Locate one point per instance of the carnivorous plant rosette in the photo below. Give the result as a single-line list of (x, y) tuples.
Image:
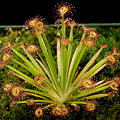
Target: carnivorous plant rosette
[(59, 89)]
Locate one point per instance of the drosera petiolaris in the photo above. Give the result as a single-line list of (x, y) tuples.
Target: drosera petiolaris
[(59, 88)]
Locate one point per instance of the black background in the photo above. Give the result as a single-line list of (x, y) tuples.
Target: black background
[(17, 12)]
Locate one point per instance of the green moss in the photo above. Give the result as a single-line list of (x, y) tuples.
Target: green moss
[(107, 108)]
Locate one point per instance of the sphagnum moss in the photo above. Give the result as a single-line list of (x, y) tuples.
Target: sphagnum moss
[(63, 87)]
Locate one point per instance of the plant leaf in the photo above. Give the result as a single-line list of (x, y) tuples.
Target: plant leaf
[(63, 28), (77, 59), (26, 61), (35, 95), (91, 91), (94, 68), (33, 61), (64, 68), (46, 71), (24, 66), (48, 106), (77, 102), (48, 47), (38, 92), (24, 77), (59, 62), (50, 65), (20, 73), (88, 64), (96, 71), (36, 101), (96, 96)]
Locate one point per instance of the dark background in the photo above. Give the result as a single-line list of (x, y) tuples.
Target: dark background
[(17, 12)]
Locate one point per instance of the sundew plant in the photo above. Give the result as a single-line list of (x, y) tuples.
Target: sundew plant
[(65, 86)]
